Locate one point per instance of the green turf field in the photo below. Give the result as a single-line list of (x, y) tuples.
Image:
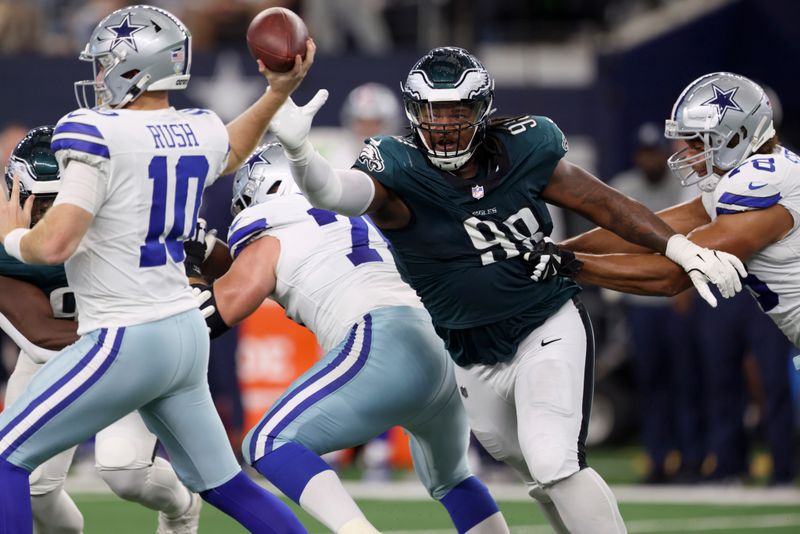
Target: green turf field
[(108, 515)]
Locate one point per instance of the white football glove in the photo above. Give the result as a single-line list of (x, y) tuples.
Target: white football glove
[(202, 297), (705, 265), (292, 123)]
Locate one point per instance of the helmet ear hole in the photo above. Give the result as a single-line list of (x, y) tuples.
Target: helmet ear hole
[(130, 74)]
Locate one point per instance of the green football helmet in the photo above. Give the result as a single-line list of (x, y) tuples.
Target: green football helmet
[(448, 99), (34, 163)]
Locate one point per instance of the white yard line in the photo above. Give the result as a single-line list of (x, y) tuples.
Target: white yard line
[(699, 524)]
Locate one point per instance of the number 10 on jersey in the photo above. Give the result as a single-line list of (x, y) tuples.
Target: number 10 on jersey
[(161, 241)]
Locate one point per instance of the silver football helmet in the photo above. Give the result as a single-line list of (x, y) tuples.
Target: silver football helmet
[(372, 101), (730, 114), (132, 50), (264, 175)]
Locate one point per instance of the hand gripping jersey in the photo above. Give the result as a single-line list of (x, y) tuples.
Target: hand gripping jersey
[(462, 249), (154, 166), (764, 180), (332, 269), (52, 280)]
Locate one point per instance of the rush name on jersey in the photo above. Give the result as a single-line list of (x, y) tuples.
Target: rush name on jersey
[(462, 249), (332, 269), (764, 180), (153, 166)]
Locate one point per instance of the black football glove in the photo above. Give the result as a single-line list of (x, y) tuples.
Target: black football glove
[(207, 302), (196, 248), (547, 260)]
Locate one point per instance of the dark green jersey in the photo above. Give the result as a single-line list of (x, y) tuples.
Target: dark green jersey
[(51, 279), (462, 250), (46, 277)]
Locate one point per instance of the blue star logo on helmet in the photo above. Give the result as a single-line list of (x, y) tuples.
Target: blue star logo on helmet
[(254, 160), (723, 101), (123, 32)]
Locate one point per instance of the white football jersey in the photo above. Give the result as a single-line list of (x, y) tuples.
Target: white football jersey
[(128, 268), (764, 180), (332, 269)]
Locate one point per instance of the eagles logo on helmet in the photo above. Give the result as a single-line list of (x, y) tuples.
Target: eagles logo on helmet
[(33, 162)]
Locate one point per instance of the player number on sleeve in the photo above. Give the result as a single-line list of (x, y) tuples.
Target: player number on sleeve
[(161, 241), (360, 252)]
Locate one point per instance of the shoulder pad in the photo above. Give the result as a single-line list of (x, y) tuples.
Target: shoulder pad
[(248, 226), (266, 218), (753, 185), (78, 135)]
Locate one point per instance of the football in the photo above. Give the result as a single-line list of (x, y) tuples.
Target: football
[(276, 36)]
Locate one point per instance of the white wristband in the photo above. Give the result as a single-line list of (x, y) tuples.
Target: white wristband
[(12, 242)]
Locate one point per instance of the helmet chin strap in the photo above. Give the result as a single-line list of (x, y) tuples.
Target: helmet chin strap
[(134, 92)]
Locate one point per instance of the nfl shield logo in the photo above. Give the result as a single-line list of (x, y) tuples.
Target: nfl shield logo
[(477, 191)]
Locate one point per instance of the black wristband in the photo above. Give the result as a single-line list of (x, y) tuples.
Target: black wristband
[(216, 325)]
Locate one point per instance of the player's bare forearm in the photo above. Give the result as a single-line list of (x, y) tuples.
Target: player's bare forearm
[(249, 281), (56, 237), (641, 274), (29, 311), (246, 130), (577, 190), (683, 218)]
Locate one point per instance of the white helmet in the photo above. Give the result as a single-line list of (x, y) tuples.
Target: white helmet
[(716, 108), (267, 167), (372, 101), (132, 50)]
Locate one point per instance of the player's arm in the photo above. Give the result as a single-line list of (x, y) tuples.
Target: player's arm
[(574, 188), (29, 311), (240, 291), (57, 235), (246, 130), (683, 218), (740, 234), (350, 192)]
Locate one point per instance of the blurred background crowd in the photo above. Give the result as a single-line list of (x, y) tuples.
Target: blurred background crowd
[(690, 394)]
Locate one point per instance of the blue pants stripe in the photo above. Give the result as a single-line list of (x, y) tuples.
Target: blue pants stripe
[(66, 381), (255, 450)]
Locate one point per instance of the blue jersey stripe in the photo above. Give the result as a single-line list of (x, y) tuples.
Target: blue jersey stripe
[(725, 211), (78, 127), (748, 201), (81, 146), (243, 233), (91, 380)]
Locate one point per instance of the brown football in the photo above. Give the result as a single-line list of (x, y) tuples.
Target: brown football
[(276, 36), (218, 261)]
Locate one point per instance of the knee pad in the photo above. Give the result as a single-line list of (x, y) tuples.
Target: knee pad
[(549, 461), (118, 453), (127, 484), (44, 481)]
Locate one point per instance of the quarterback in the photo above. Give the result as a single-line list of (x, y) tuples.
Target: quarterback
[(749, 204), (462, 201), (133, 172)]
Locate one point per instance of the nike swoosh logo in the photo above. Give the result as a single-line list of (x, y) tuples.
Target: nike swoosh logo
[(545, 343), (753, 187)]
